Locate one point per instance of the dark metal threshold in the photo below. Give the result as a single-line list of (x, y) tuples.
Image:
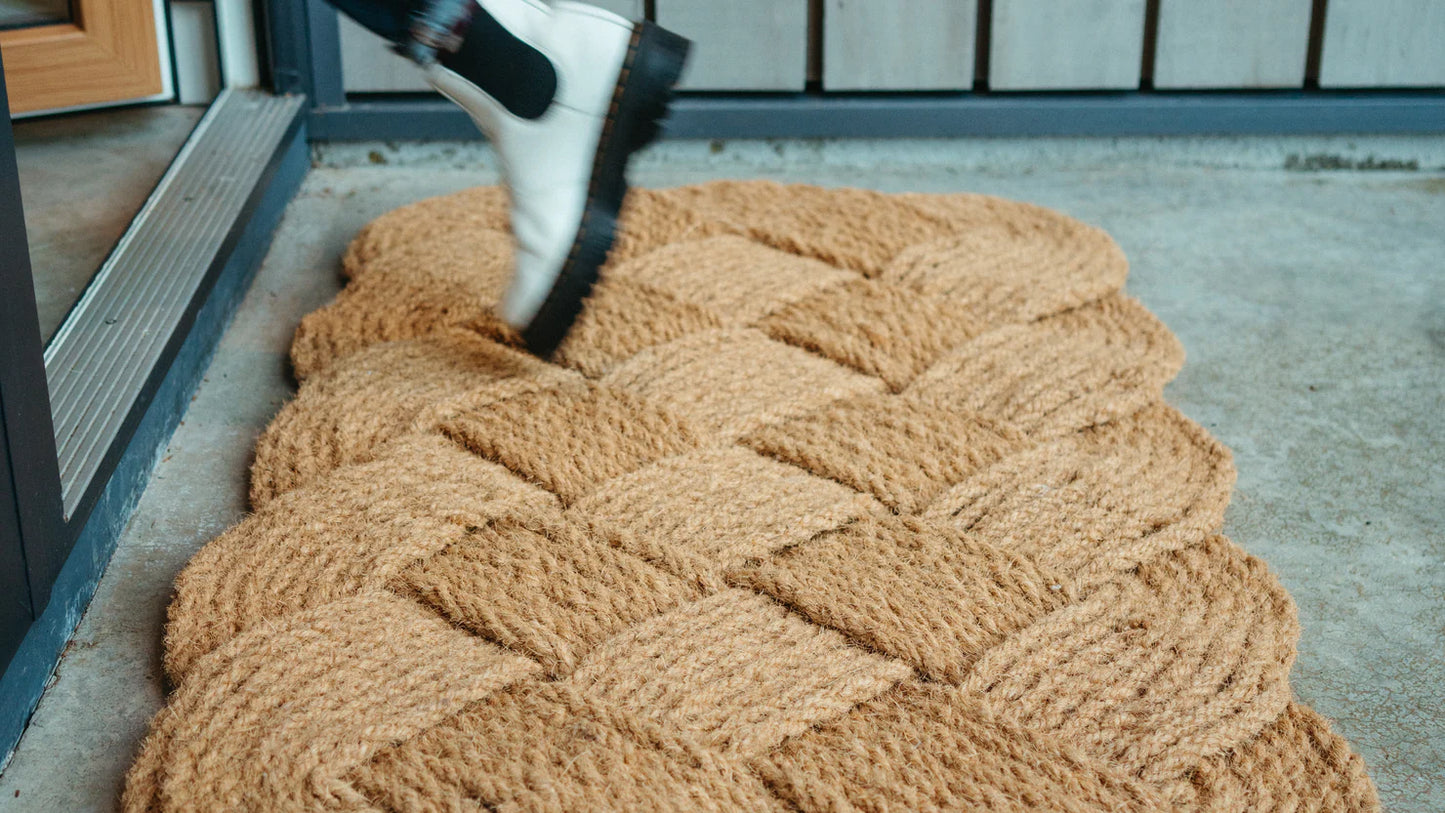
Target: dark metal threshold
[(949, 115), (144, 297), (122, 368)]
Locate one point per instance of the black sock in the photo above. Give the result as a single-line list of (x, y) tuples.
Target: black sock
[(508, 69)]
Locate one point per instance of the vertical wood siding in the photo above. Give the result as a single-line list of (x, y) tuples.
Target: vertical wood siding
[(931, 45), (1232, 43), (369, 65), (889, 45), (1066, 44), (1384, 43), (741, 44), (631, 9)]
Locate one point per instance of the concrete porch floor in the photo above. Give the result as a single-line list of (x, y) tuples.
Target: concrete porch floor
[(83, 177), (1312, 305)]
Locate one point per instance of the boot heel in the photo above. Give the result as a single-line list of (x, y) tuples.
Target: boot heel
[(661, 57)]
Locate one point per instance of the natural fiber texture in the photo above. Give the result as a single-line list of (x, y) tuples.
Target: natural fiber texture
[(833, 501)]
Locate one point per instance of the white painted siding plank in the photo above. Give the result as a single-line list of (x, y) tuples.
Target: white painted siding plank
[(198, 62), (236, 27), (885, 45), (368, 65), (741, 44), (631, 9), (1066, 44), (1232, 43), (1383, 43)]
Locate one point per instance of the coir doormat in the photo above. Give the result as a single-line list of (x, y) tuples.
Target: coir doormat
[(834, 500)]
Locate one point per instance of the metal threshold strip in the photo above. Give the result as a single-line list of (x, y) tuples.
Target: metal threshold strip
[(108, 350)]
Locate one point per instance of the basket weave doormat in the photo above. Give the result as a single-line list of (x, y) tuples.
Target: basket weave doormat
[(834, 500)]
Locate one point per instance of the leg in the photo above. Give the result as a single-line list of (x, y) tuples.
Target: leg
[(565, 92)]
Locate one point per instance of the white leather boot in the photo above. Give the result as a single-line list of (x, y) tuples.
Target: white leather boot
[(566, 92)]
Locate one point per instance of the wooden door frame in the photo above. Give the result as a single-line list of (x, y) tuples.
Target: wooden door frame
[(108, 53)]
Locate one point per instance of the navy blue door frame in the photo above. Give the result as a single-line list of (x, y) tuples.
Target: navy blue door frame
[(31, 521), (57, 538)]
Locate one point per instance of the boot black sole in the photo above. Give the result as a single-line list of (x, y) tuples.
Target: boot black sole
[(654, 62)]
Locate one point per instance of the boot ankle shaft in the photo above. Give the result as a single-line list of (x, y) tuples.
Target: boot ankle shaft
[(519, 76)]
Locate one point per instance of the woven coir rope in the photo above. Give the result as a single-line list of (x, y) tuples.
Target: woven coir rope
[(833, 500)]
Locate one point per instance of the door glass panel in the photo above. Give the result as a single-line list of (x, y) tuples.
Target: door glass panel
[(24, 13), (83, 177)]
